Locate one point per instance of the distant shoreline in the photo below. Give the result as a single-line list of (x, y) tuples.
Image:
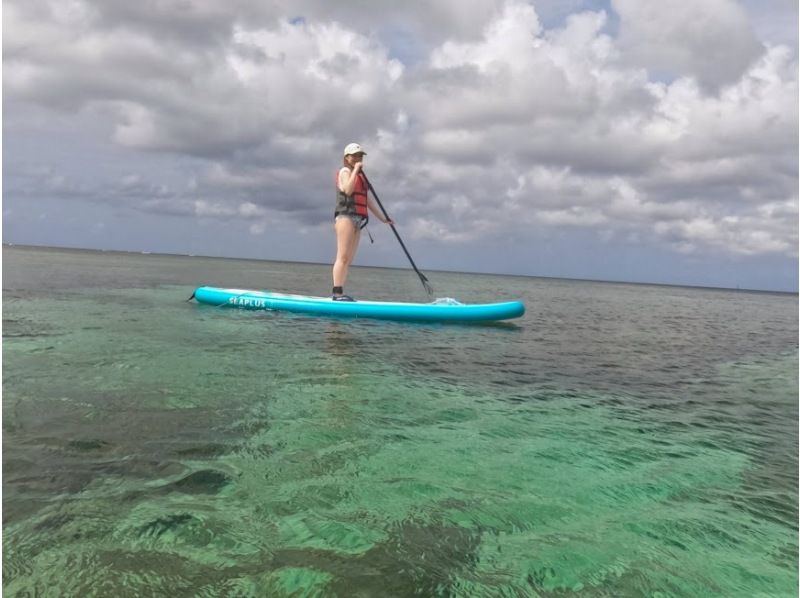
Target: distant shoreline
[(251, 259)]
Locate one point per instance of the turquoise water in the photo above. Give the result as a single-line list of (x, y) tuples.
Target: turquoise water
[(619, 440)]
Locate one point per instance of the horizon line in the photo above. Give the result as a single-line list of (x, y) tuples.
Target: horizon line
[(254, 259)]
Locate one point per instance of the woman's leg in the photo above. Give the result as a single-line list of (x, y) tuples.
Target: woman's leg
[(347, 236)]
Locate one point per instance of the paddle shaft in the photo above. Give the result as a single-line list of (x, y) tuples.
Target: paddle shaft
[(422, 277)]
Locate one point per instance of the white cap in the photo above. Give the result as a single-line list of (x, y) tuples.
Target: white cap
[(353, 148)]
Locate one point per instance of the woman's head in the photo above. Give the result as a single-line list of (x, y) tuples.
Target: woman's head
[(353, 153)]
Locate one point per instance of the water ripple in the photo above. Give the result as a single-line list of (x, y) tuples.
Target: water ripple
[(597, 447)]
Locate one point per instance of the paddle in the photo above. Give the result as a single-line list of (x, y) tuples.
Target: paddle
[(425, 283)]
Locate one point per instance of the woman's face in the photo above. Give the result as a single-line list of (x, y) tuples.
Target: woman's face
[(355, 158)]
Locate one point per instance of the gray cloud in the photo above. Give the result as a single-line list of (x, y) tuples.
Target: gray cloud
[(713, 40), (501, 123)]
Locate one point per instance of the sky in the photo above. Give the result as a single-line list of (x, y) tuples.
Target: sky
[(632, 140)]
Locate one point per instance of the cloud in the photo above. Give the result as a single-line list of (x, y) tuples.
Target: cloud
[(648, 121), (712, 41), (611, 149)]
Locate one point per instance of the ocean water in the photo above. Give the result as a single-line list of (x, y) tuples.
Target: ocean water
[(619, 440)]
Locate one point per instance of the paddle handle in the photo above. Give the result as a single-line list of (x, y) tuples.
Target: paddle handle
[(426, 285)]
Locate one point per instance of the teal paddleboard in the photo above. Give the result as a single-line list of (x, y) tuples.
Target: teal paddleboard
[(441, 310)]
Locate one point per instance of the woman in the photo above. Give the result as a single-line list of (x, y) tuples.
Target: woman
[(353, 205)]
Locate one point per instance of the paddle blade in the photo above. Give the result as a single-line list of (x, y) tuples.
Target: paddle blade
[(426, 285)]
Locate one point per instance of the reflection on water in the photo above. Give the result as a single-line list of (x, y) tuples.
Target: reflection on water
[(340, 341)]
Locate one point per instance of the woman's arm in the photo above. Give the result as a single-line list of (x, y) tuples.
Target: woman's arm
[(375, 209), (347, 179)]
